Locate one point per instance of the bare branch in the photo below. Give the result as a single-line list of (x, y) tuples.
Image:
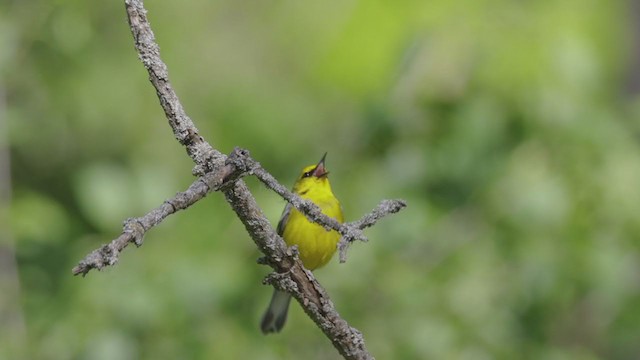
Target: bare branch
[(307, 207), (291, 276), (385, 207), (135, 228), (183, 128), (219, 172), (238, 163), (350, 231)]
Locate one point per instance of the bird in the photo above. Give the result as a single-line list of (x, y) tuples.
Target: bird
[(316, 245)]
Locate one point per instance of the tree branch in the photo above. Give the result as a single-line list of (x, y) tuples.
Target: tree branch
[(291, 276), (219, 172), (134, 228), (350, 231), (183, 128), (385, 207)]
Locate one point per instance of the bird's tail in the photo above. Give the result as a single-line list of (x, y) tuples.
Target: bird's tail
[(276, 315)]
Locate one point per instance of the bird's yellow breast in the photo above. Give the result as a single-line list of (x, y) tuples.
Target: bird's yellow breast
[(315, 244)]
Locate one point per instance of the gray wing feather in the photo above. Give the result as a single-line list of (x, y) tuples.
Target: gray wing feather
[(283, 219)]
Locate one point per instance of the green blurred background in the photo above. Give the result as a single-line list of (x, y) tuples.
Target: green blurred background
[(510, 127)]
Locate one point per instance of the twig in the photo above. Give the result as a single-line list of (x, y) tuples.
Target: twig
[(134, 228), (350, 231), (385, 207), (311, 210)]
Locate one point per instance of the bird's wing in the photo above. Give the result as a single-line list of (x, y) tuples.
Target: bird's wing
[(283, 219)]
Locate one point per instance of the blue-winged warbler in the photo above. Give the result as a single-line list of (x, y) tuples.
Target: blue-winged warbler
[(315, 244)]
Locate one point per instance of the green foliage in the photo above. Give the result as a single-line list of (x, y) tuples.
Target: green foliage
[(503, 124)]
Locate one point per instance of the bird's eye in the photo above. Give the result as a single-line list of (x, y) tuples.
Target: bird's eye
[(307, 174)]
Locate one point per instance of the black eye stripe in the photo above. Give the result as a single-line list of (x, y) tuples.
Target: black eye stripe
[(307, 174)]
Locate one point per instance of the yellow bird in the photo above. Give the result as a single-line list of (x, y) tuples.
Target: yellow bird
[(315, 244)]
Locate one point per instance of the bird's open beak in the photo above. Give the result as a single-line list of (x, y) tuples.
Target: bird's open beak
[(320, 170)]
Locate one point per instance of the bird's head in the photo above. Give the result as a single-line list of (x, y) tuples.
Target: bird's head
[(312, 177)]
